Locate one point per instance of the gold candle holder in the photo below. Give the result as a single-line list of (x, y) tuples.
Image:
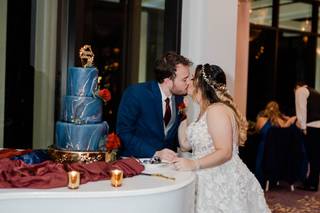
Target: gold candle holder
[(116, 177), (74, 179), (108, 157)]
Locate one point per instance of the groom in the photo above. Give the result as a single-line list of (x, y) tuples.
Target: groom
[(148, 116)]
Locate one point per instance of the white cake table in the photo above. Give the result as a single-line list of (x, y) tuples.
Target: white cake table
[(143, 194)]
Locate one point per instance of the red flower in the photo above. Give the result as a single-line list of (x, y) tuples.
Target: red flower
[(112, 142), (181, 108), (104, 94)]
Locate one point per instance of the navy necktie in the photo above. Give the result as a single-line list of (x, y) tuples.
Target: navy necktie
[(167, 114)]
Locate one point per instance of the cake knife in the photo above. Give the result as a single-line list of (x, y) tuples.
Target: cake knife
[(158, 175)]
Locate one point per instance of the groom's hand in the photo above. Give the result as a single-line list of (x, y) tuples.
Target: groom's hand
[(166, 154)]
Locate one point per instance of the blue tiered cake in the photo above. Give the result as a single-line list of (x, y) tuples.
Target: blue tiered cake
[(81, 134), (82, 128)]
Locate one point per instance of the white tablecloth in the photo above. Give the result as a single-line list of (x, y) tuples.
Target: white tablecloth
[(143, 194)]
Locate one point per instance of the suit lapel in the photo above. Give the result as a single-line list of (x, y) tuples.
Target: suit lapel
[(173, 113), (178, 100), (158, 104)]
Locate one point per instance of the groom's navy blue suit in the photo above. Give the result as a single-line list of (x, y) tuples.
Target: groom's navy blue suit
[(140, 121)]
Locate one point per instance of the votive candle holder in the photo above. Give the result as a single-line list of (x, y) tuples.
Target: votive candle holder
[(73, 179), (116, 177)]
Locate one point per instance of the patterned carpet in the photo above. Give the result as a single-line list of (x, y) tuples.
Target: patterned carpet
[(281, 199)]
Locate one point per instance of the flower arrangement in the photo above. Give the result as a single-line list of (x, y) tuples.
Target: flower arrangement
[(112, 144), (104, 94)]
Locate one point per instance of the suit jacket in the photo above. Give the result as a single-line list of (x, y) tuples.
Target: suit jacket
[(140, 121)]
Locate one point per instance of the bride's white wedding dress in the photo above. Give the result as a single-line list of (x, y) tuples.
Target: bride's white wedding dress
[(227, 188)]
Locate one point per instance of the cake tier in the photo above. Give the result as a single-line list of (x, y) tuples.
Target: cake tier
[(82, 110), (82, 81), (86, 137)]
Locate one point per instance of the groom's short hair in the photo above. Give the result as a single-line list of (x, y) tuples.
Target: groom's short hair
[(165, 66)]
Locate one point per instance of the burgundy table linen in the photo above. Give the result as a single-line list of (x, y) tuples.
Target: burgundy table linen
[(101, 170), (49, 174), (18, 174)]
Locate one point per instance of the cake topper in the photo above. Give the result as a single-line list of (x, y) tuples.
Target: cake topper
[(86, 56)]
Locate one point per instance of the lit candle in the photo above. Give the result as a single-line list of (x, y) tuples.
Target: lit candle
[(116, 177), (74, 179)]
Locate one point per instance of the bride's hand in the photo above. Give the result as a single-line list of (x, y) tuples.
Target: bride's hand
[(183, 164), (166, 154)]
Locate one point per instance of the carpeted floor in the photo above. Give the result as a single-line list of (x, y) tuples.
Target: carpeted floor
[(281, 199)]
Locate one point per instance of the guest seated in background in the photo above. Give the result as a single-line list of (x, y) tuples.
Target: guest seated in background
[(273, 115)]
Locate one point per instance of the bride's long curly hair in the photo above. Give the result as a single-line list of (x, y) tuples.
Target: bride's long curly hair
[(211, 81)]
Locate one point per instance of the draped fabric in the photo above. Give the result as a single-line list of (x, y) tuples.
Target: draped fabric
[(49, 174), (16, 173)]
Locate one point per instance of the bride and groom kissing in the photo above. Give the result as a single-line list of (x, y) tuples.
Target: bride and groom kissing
[(149, 123)]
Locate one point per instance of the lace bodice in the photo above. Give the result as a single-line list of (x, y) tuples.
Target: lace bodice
[(201, 141)]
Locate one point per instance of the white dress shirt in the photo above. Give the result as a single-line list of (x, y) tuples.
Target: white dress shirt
[(173, 112), (301, 100)]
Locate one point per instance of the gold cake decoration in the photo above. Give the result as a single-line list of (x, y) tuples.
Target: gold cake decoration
[(68, 156), (86, 56)]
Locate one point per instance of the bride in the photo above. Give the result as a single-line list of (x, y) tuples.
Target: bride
[(224, 183)]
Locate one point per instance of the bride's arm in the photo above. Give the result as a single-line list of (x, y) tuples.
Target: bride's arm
[(182, 136), (220, 130)]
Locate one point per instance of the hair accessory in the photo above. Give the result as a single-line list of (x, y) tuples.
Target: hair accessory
[(216, 86), (224, 96)]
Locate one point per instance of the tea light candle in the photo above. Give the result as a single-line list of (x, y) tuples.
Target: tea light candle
[(116, 177), (74, 179)]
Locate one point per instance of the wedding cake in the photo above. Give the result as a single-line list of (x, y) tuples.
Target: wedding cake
[(81, 127)]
